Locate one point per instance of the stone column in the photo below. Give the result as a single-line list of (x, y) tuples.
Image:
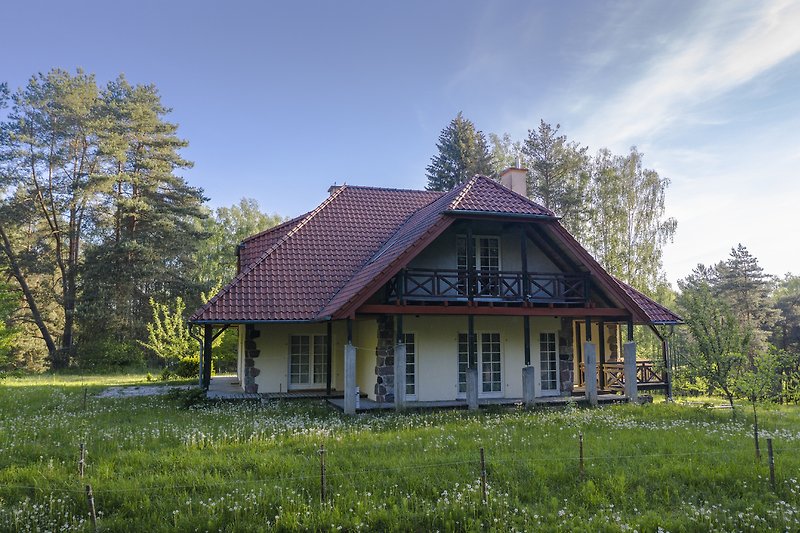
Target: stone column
[(472, 388), (590, 372), (349, 379), (631, 384), (528, 385), (400, 377)]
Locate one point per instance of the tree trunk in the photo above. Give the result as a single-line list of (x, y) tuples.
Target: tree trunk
[(31, 301)]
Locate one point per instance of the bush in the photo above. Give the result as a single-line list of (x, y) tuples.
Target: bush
[(185, 367), (105, 353)]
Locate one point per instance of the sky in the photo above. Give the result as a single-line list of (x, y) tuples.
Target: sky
[(279, 100)]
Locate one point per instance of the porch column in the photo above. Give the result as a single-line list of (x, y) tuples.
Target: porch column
[(208, 338), (528, 385), (526, 329), (472, 388), (329, 358), (631, 385), (601, 343), (667, 369), (349, 372), (590, 365), (399, 367)]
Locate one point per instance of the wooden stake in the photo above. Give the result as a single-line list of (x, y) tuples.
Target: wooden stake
[(755, 436), (483, 476), (580, 441), (771, 463), (322, 490), (92, 511), (82, 460), (85, 393)]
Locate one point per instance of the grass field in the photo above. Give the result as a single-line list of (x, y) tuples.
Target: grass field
[(156, 465)]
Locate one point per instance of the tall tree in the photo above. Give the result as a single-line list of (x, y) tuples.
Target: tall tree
[(747, 289), (505, 152), (462, 153), (50, 158), (225, 229), (558, 175), (628, 225), (146, 232)]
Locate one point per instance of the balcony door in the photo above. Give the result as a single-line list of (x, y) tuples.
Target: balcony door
[(486, 258)]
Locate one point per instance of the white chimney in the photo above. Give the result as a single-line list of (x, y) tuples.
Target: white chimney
[(516, 179)]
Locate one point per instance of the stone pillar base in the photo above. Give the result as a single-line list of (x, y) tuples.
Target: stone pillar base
[(528, 385)]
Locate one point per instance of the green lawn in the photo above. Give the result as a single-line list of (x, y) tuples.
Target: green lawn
[(156, 465)]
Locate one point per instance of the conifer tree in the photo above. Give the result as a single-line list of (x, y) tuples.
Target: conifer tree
[(462, 153)]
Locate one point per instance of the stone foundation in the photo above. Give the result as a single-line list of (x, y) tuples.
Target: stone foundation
[(250, 354), (384, 360)]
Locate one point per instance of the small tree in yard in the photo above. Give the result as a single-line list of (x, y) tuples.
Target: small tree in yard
[(167, 335), (760, 381), (718, 344)]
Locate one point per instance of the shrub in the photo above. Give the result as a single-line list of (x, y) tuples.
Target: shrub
[(106, 353)]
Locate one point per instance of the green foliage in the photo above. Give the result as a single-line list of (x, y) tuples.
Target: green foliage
[(786, 299), (106, 353), (462, 153), (9, 304), (167, 333), (718, 343)]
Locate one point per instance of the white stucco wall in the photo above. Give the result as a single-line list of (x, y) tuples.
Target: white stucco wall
[(437, 351)]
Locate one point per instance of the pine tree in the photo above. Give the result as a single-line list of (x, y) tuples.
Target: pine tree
[(558, 175), (147, 231), (462, 153), (746, 288)]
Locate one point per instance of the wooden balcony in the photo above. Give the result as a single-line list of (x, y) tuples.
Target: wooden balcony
[(647, 376), (452, 285)]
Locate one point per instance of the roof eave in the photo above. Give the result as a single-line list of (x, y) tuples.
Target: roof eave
[(498, 214)]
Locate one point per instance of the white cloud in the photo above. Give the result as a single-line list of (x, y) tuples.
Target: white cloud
[(730, 44)]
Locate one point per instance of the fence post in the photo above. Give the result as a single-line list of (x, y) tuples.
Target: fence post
[(322, 483), (82, 460), (580, 452), (483, 476), (771, 463), (92, 511), (85, 393)]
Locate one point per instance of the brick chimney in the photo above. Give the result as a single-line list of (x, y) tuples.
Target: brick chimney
[(516, 179)]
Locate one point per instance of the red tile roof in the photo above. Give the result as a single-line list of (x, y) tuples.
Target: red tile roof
[(327, 262), (657, 313)]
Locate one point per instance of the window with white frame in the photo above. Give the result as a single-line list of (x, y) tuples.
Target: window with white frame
[(308, 360)]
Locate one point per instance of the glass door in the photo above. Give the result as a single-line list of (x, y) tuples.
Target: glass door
[(487, 358), (548, 364)]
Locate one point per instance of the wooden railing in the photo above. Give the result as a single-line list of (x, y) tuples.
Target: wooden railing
[(488, 285), (647, 375)]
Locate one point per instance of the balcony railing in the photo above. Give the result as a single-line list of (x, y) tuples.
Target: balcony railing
[(415, 284)]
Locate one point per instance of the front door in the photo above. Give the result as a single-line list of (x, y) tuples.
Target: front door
[(548, 364), (488, 359), (307, 361)]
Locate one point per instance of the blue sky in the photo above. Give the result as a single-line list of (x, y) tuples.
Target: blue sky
[(280, 100)]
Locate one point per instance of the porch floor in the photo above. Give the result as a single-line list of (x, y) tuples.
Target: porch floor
[(227, 387), (365, 404)]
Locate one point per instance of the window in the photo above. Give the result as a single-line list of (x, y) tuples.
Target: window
[(308, 360), (548, 361), (411, 364)]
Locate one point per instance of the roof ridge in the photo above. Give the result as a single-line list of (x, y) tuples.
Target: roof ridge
[(271, 249), (273, 228), (399, 189), (466, 187)]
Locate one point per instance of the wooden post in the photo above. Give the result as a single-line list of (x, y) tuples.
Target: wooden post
[(483, 476), (85, 393), (523, 251), (208, 338), (771, 463), (601, 344), (82, 460), (471, 279), (92, 510), (322, 481), (580, 451)]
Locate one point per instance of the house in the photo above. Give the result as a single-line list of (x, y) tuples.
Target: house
[(475, 295)]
